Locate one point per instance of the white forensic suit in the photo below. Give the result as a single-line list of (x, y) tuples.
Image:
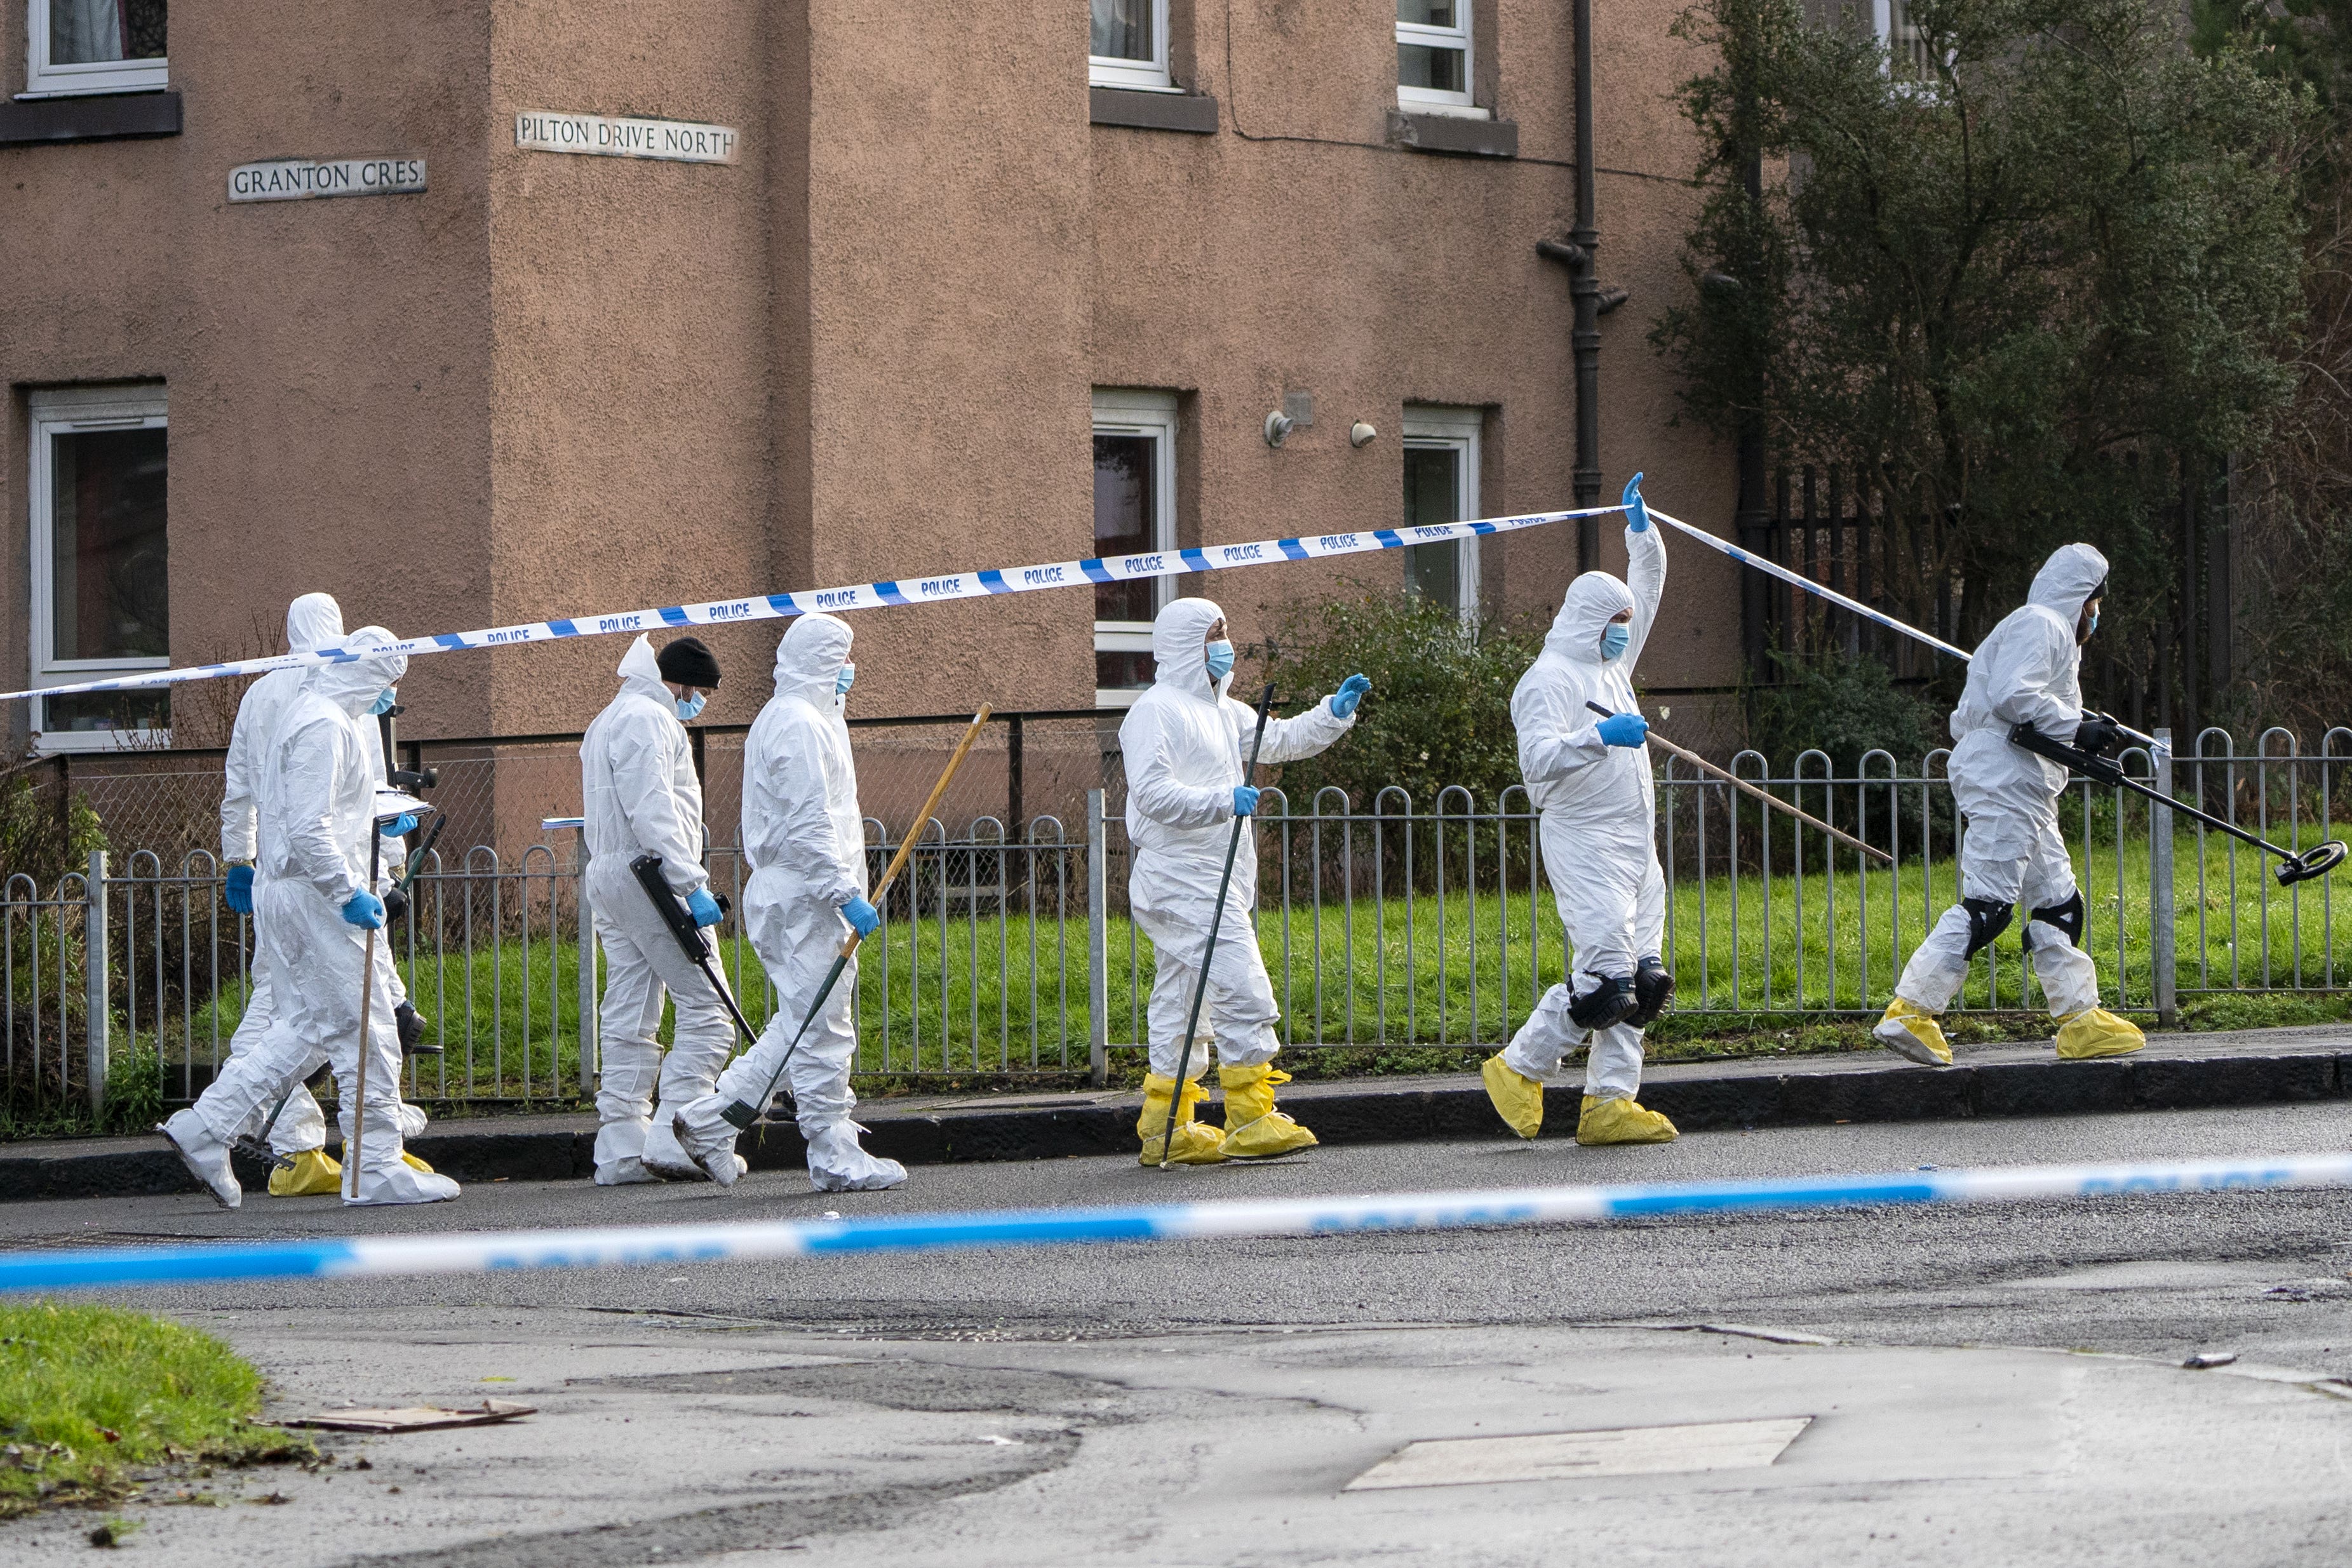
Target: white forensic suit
[(1598, 825), (316, 823), (805, 841), (1185, 744), (640, 796), (2026, 669)]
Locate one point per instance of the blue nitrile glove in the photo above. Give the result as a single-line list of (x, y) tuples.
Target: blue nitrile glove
[(239, 891), (1623, 729), (364, 910), (1637, 516), (399, 827), (1245, 799), (1351, 692), (703, 907), (863, 917)]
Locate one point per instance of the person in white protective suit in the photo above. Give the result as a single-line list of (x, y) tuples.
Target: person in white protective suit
[(2026, 671), (299, 1132), (1589, 778), (315, 910), (1186, 743), (804, 840), (640, 796)]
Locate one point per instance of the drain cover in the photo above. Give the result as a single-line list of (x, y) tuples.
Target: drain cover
[(1564, 1455)]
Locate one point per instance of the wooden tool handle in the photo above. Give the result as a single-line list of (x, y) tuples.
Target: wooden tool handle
[(898, 860)]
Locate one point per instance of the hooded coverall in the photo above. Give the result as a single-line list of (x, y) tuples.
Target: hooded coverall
[(1598, 829), (640, 796), (804, 840), (2027, 669), (1185, 744)]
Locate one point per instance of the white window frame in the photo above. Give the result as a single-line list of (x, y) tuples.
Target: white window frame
[(1125, 411), (65, 410), (1136, 75), (1436, 427), (43, 79), (1428, 100)]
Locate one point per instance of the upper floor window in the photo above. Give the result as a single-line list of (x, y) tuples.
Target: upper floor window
[(100, 595), (1433, 54), (95, 45), (1135, 513), (1129, 45)]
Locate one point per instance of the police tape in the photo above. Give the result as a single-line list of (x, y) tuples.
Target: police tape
[(512, 1251), (940, 589)]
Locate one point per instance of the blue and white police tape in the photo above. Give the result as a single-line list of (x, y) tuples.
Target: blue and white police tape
[(506, 1251), (938, 589)]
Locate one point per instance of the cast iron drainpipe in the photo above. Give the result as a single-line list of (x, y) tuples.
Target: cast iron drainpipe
[(1591, 302)]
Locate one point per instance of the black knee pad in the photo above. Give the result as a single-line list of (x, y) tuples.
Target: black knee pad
[(1607, 1003), (2067, 917), (1987, 918), (1654, 987)]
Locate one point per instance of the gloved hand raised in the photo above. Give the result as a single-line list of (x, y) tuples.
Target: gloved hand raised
[(703, 907), (2097, 734), (1623, 729), (364, 910), (1244, 800), (1351, 692), (863, 917), (399, 827), (239, 891), (1637, 516)]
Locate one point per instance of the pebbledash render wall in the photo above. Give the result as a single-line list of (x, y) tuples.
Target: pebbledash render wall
[(865, 349)]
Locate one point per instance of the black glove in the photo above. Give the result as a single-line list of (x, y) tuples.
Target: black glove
[(396, 906), (2097, 734)]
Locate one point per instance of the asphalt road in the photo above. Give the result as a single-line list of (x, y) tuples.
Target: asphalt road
[(1993, 1385)]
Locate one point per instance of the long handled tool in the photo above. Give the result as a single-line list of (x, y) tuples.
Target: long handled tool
[(367, 998), (1209, 951), (1695, 761), (2292, 867), (741, 1114), (647, 869), (1876, 617)]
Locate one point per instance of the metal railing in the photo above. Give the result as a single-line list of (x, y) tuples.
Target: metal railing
[(1384, 923)]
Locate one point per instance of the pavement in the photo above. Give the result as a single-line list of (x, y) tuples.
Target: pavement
[(2250, 1067), (1994, 1385)]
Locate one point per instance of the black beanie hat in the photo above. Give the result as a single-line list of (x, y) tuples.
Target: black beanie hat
[(687, 662)]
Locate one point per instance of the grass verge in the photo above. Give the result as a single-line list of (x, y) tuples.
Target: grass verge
[(95, 1400)]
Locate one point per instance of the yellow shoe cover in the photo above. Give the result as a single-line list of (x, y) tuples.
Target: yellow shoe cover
[(315, 1171), (1255, 1130), (1621, 1122), (1518, 1099), (1910, 1031), (1193, 1145), (2095, 1032), (413, 1162)]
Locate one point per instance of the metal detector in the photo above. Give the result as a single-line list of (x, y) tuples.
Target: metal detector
[(2292, 867), (647, 869), (1209, 950)]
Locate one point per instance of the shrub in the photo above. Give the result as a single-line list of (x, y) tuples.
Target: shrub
[(1843, 706)]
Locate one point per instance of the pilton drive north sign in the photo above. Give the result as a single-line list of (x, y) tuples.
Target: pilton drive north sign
[(604, 136)]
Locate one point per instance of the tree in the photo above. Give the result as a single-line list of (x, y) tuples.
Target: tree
[(2035, 275)]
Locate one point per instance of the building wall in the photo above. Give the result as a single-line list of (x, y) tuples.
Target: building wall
[(552, 384)]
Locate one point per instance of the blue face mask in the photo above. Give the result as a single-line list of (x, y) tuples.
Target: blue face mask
[(1220, 660), (2094, 626), (385, 699), (844, 681), (689, 707), (1615, 641)]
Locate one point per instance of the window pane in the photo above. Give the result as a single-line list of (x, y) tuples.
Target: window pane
[(1122, 30), (1428, 12), (1126, 494), (1122, 670), (108, 595), (108, 710), (1440, 70), (88, 32), (1433, 489)]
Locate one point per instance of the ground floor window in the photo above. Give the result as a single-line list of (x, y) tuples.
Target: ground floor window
[(1441, 485), (1135, 513), (100, 593)]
